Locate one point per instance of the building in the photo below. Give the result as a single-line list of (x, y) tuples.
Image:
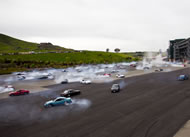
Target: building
[(179, 50)]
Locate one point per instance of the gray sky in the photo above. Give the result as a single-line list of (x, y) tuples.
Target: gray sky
[(131, 25)]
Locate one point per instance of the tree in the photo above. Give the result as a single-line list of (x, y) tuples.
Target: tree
[(107, 50), (117, 50)]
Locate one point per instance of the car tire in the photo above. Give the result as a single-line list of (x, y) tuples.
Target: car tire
[(48, 106), (66, 103)]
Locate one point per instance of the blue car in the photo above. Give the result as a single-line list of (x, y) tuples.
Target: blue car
[(183, 77), (58, 101)]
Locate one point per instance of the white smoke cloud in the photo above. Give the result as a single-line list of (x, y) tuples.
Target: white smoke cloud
[(151, 60), (82, 103), (6, 89)]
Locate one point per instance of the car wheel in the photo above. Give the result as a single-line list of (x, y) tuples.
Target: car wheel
[(50, 105), (68, 103)]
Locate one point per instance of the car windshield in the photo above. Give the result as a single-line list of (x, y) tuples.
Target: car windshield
[(58, 99), (67, 91), (182, 76), (115, 86)]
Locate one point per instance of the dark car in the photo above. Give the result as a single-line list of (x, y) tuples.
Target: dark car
[(19, 92), (64, 81), (146, 68), (70, 92), (133, 65), (43, 77), (21, 77), (64, 70), (115, 88), (183, 77), (159, 70), (21, 73)]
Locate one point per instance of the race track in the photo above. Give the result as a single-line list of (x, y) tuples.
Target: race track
[(151, 105)]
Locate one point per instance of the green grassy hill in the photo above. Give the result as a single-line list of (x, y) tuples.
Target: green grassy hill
[(12, 63), (9, 44), (75, 58), (18, 62)]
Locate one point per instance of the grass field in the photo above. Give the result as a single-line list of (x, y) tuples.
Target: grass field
[(12, 63), (74, 57)]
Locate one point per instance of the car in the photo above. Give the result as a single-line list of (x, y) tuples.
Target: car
[(79, 70), (114, 71), (64, 70), (20, 73), (58, 101), (85, 81), (115, 88), (107, 74), (158, 70), (70, 92), (183, 77), (146, 68), (46, 76), (19, 92), (21, 77), (133, 65), (65, 81), (120, 76), (43, 77)]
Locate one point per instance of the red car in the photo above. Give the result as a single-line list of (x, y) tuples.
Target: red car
[(133, 65), (19, 92), (107, 74)]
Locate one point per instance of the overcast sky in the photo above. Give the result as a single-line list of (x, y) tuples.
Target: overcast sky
[(131, 25)]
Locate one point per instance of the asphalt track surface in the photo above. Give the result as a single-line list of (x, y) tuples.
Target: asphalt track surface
[(151, 105)]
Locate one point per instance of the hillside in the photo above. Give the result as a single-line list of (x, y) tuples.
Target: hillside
[(9, 44), (45, 58), (12, 63)]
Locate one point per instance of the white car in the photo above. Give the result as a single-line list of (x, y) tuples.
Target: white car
[(85, 81), (120, 76)]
